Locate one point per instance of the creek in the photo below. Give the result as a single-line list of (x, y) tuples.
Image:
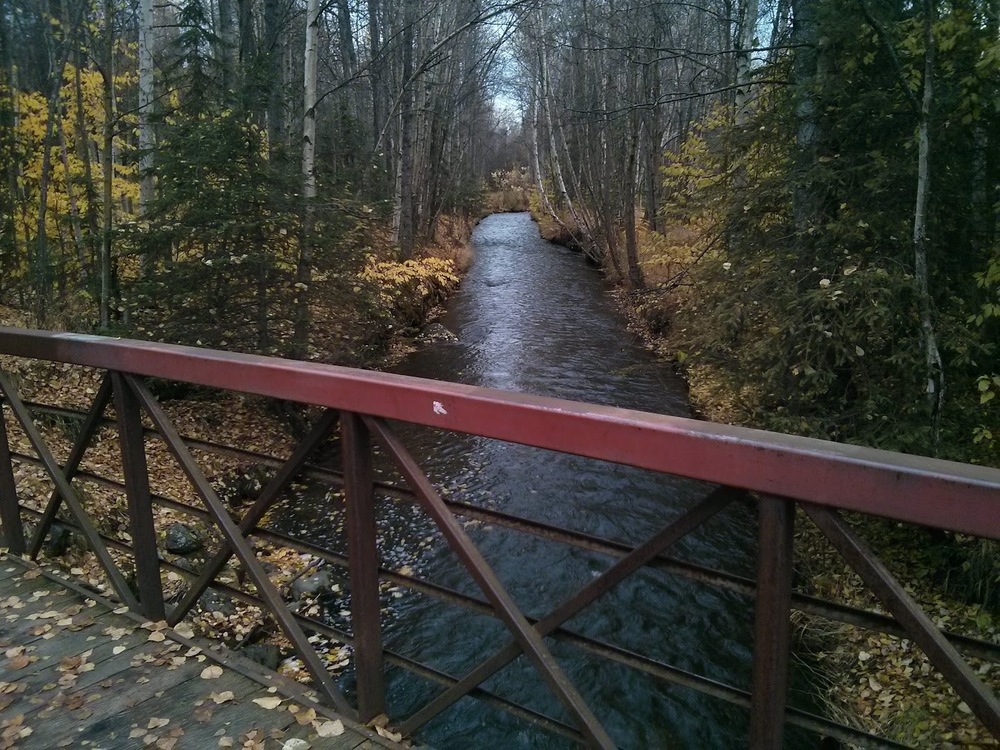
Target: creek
[(532, 316)]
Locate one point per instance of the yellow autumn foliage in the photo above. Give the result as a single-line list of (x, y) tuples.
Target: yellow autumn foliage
[(68, 189), (409, 288)]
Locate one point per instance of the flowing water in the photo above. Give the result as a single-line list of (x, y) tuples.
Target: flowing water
[(534, 317)]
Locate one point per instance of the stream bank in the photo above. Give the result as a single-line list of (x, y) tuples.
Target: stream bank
[(874, 682)]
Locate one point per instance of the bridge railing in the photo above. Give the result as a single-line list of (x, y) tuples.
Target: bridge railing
[(778, 473)]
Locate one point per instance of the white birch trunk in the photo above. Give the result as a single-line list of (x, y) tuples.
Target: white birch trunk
[(309, 102), (932, 356), (303, 273), (536, 163)]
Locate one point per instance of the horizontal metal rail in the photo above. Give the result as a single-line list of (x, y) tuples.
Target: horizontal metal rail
[(926, 491), (821, 478)]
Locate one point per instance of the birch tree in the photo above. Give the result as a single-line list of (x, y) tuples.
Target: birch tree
[(932, 356), (303, 275)]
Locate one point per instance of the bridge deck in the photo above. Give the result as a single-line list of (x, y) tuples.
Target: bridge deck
[(76, 673)]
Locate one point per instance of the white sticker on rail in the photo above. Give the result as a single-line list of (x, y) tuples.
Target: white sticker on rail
[(439, 408)]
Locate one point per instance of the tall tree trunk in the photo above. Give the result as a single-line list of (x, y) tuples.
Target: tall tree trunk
[(404, 233), (580, 225), (83, 152), (651, 130), (804, 30), (932, 357), (537, 166), (107, 157), (227, 46), (145, 110), (276, 125), (9, 251), (303, 274), (376, 77), (635, 280), (74, 208), (248, 38), (43, 262), (746, 32)]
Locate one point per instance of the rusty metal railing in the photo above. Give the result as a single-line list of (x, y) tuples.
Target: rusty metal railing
[(778, 472)]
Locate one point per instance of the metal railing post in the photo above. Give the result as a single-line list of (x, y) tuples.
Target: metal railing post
[(140, 504), (10, 511), (772, 625), (363, 556)]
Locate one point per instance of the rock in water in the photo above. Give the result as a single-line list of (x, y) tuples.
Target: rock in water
[(317, 583), (437, 332), (57, 541), (213, 602), (181, 540), (265, 654)]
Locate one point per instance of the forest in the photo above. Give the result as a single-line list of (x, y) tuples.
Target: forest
[(803, 197)]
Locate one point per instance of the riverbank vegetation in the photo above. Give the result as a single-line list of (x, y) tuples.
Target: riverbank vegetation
[(823, 224), (801, 204)]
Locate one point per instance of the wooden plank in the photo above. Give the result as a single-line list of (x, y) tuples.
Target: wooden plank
[(40, 682), (115, 695), (94, 715), (349, 740), (234, 718), (12, 580), (19, 613), (177, 706)]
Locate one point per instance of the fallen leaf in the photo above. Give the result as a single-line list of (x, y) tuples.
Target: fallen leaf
[(70, 663), (19, 662), (157, 637), (156, 722), (305, 717), (82, 622), (269, 703), (330, 728), (213, 672), (394, 736), (220, 698)]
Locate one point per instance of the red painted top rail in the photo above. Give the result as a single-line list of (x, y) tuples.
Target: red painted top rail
[(908, 488)]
